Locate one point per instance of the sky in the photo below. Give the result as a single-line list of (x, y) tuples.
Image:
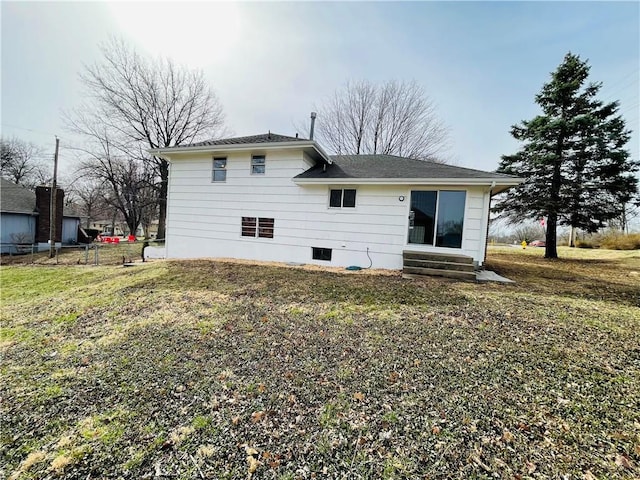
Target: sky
[(271, 64)]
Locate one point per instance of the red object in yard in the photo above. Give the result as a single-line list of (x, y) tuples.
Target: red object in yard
[(115, 239), (108, 240), (131, 238)]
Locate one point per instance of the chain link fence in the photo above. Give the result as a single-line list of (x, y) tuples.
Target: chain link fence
[(82, 254)]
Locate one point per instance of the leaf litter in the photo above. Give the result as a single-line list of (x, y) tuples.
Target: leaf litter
[(203, 369)]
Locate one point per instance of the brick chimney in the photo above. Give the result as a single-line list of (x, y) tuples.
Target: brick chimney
[(43, 200)]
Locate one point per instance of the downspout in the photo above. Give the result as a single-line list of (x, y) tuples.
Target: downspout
[(486, 238)]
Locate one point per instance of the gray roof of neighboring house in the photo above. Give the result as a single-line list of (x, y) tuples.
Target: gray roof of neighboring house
[(72, 210), (390, 167), (15, 198), (262, 138), (18, 199)]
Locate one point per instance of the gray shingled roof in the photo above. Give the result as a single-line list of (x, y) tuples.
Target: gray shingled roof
[(391, 166), (16, 199), (262, 138), (72, 210)]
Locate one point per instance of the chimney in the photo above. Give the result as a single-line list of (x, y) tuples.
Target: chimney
[(43, 201), (313, 122)]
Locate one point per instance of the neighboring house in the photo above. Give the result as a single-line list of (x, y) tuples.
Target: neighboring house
[(18, 216), (107, 226), (24, 217), (122, 229), (278, 198)]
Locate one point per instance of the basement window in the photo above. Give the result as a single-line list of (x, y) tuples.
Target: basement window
[(265, 227), (258, 164), (219, 173), (342, 198), (248, 226), (321, 254), (261, 227)]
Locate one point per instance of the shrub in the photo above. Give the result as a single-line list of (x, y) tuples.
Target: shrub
[(584, 244), (630, 241)]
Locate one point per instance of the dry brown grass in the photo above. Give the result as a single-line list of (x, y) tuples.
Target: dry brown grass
[(219, 369)]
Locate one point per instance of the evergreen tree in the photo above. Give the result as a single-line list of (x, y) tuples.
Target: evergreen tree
[(576, 169)]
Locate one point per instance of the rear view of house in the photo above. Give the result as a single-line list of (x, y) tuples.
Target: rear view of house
[(279, 198)]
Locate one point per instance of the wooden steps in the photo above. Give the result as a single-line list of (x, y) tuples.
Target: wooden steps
[(438, 264)]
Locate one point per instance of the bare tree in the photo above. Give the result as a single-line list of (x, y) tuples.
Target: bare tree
[(395, 118), (629, 213), (126, 183), (144, 103), (21, 162), (89, 194)]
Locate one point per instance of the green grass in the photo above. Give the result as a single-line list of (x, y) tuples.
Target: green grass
[(183, 366)]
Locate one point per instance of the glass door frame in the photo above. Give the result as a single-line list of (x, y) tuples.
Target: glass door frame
[(435, 217)]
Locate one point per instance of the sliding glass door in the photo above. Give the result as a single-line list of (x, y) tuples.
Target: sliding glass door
[(422, 218), (437, 217)]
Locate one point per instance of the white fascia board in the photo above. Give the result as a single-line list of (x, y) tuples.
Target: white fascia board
[(410, 181), (239, 147), (322, 153)]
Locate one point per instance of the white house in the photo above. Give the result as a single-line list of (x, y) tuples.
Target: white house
[(279, 198)]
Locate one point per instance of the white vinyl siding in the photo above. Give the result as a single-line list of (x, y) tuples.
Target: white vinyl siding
[(204, 218)]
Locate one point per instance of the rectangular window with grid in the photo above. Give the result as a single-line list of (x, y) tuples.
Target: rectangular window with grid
[(219, 173), (258, 164), (257, 227), (249, 226), (342, 198), (265, 227)]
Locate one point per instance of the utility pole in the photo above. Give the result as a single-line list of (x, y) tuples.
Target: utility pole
[(53, 204)]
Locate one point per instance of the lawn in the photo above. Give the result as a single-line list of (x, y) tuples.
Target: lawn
[(205, 369)]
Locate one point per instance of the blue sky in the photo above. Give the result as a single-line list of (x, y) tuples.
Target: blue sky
[(271, 63)]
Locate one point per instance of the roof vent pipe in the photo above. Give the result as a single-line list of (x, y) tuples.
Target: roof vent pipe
[(313, 122)]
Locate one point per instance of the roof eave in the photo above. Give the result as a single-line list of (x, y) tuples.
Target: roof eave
[(20, 212), (166, 153), (494, 182)]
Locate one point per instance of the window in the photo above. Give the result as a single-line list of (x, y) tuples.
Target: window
[(219, 169), (321, 254), (258, 164), (422, 217), (437, 217), (342, 198), (262, 226), (450, 219), (248, 226), (265, 227)]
